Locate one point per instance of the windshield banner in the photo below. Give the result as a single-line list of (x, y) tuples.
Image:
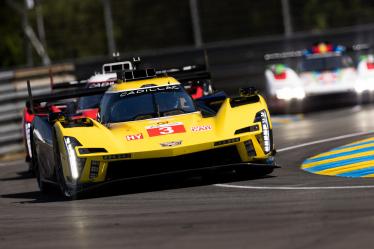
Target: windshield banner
[(150, 90)]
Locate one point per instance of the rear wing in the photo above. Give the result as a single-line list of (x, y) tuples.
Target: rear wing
[(283, 55), (83, 84), (69, 84), (184, 74), (107, 68), (68, 94), (73, 89), (187, 73)]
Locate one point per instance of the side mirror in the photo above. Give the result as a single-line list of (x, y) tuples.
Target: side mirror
[(248, 91)]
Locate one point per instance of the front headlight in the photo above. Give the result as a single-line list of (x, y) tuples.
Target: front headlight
[(76, 164), (28, 141), (266, 139)]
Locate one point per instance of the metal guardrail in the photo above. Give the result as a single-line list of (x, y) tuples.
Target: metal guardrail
[(10, 117), (13, 93)]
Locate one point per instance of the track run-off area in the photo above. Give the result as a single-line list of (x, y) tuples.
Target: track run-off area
[(290, 208)]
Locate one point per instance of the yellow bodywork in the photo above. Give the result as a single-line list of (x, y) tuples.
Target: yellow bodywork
[(114, 137)]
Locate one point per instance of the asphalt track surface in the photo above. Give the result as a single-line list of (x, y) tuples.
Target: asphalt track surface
[(289, 209)]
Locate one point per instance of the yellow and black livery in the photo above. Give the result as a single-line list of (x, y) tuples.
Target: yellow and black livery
[(148, 125)]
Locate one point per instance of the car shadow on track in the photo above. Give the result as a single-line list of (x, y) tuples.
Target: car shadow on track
[(143, 185), (20, 176), (35, 197)]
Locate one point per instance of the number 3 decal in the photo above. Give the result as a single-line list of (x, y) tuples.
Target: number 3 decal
[(166, 130)]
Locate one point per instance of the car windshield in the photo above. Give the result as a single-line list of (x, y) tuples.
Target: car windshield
[(89, 102), (325, 63), (145, 103)]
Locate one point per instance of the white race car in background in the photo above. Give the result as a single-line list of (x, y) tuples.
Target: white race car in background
[(365, 71), (321, 70), (283, 83)]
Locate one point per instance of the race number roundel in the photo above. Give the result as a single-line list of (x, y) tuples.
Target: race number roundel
[(165, 129)]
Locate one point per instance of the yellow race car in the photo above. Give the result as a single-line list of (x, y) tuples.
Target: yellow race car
[(148, 125)]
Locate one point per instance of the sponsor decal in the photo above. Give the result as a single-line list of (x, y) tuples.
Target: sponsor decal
[(100, 84), (201, 128), (134, 137), (162, 122), (171, 144), (165, 129), (328, 77), (150, 90)]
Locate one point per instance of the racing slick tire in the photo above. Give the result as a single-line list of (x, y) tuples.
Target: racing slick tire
[(30, 166), (44, 187)]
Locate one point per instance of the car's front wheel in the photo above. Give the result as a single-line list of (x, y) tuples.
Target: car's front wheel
[(44, 187)]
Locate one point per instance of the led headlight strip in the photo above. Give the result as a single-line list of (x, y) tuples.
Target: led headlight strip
[(74, 162), (28, 141), (263, 118)]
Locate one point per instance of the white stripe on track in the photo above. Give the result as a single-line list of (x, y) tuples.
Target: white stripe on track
[(292, 188), (326, 140)]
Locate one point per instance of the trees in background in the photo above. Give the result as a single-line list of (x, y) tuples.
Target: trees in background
[(76, 28), (12, 48)]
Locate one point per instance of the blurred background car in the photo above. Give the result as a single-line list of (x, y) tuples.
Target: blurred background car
[(323, 69)]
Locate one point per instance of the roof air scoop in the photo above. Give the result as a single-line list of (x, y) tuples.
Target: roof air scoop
[(131, 75)]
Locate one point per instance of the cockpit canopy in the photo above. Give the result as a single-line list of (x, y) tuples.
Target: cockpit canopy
[(149, 101)]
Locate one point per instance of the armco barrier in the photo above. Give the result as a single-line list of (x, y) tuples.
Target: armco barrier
[(13, 94), (10, 117)]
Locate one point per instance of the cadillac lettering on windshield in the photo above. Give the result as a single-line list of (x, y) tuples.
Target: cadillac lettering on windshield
[(150, 90)]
